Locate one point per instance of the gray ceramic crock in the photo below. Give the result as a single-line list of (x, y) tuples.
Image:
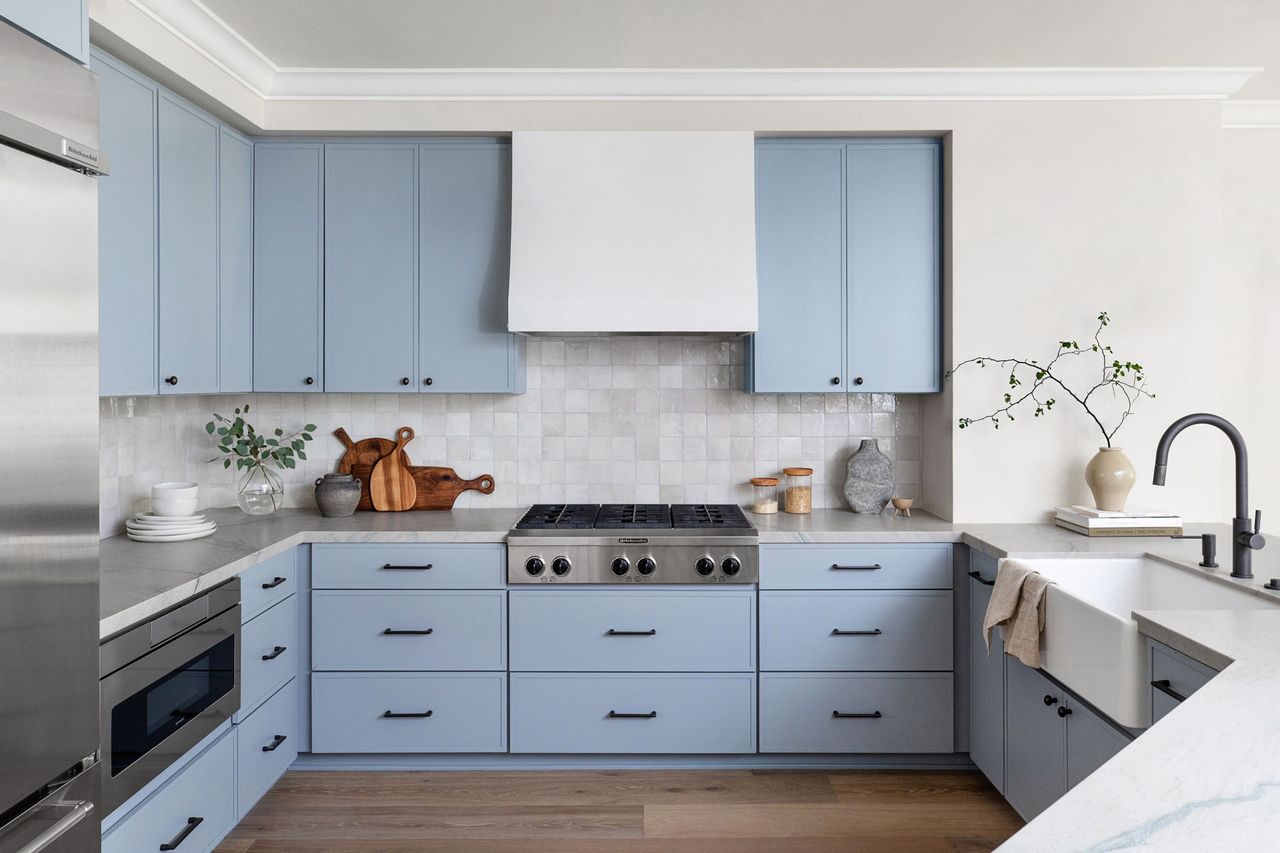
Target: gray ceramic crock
[(337, 495)]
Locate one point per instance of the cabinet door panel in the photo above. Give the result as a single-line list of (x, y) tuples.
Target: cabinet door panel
[(465, 204), (800, 266), (235, 266), (986, 679), (893, 273), (64, 24), (127, 234), (1035, 741), (1091, 742), (288, 252), (370, 267), (188, 151)]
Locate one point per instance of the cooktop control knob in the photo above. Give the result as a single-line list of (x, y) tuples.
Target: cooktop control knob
[(646, 566), (534, 566), (705, 566), (731, 566), (560, 566), (620, 566)]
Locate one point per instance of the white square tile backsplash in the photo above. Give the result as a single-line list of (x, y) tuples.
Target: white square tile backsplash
[(604, 419)]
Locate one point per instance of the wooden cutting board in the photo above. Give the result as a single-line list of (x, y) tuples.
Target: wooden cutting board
[(366, 451), (391, 485), (437, 488)]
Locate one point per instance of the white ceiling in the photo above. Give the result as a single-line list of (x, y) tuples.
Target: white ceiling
[(459, 34)]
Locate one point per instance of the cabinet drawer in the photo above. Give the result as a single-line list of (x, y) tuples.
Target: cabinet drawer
[(675, 713), (269, 654), (202, 793), (408, 567), (267, 743), (877, 630), (1184, 676), (271, 581), (408, 630), (908, 566), (467, 712), (632, 630), (798, 712)]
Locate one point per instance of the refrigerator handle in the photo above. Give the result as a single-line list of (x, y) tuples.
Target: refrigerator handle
[(79, 811)]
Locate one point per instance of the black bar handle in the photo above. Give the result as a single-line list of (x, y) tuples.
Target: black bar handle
[(836, 567), (275, 653), (275, 743), (395, 568), (614, 632), (393, 715), (408, 632), (842, 715), (1165, 687), (192, 823), (980, 579), (874, 632), (274, 582), (622, 715)]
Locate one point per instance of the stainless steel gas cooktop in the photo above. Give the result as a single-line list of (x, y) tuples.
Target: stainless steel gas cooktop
[(633, 543)]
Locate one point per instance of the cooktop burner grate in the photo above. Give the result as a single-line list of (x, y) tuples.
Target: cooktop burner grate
[(559, 517), (709, 516), (633, 516)]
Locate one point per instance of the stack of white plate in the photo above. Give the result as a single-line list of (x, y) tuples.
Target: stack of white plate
[(149, 527)]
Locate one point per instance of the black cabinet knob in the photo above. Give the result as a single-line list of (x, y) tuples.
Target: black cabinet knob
[(835, 380), (427, 381), (309, 381), (1064, 712), (404, 380), (1050, 700), (172, 380), (857, 380)]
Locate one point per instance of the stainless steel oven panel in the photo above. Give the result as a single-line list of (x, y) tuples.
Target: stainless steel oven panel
[(125, 682), (674, 557), (133, 643)]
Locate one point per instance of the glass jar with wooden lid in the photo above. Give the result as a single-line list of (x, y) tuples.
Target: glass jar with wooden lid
[(797, 497), (764, 495)]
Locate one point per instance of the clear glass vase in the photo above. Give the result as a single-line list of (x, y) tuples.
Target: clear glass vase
[(260, 491)]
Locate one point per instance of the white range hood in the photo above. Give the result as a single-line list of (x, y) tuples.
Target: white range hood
[(633, 232)]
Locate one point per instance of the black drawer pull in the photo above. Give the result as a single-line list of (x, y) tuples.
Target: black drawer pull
[(272, 584), (836, 567), (854, 715), (275, 653), (408, 632), (394, 568), (622, 715), (614, 632), (874, 632), (192, 823), (1165, 687), (980, 579), (275, 743), (395, 715)]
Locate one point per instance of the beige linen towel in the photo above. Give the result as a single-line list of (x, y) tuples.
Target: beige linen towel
[(1017, 606)]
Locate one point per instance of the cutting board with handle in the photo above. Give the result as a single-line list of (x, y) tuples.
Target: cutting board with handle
[(366, 451), (437, 488), (391, 485)]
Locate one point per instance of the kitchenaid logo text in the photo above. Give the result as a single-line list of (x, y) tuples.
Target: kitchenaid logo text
[(633, 541)]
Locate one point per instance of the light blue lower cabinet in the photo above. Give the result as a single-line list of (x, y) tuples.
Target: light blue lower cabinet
[(1091, 741), (201, 798), (986, 678), (1174, 677), (269, 654), (268, 583), (408, 566), (900, 712), (871, 566), (633, 713), (267, 744), (408, 712), (408, 630)]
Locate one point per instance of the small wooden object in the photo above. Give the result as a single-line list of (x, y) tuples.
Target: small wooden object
[(392, 487), (437, 488), (902, 505), (366, 451)]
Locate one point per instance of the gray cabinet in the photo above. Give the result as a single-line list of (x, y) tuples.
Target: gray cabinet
[(986, 677), (1091, 741), (1174, 677)]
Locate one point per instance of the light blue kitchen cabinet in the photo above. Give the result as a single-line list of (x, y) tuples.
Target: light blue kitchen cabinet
[(63, 24), (1092, 741), (799, 268), (127, 296), (288, 264), (1174, 677), (267, 744), (986, 677), (188, 248), (465, 242), (370, 267), (893, 245), (235, 262), (1035, 740)]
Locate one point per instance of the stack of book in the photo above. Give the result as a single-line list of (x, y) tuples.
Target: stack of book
[(1088, 521)]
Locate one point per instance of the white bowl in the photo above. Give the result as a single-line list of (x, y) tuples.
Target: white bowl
[(175, 489), (174, 506)]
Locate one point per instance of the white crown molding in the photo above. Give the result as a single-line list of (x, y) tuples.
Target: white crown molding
[(1251, 114)]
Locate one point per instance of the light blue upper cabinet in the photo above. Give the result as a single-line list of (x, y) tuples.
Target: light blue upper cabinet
[(800, 268), (235, 265), (465, 226), (127, 232), (64, 24), (188, 209), (288, 253), (370, 267), (894, 266)]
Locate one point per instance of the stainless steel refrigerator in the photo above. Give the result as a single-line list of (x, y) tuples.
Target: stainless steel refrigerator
[(49, 779)]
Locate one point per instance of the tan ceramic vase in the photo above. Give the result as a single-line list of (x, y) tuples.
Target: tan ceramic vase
[(1110, 476)]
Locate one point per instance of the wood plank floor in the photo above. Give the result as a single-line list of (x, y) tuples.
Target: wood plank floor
[(647, 811)]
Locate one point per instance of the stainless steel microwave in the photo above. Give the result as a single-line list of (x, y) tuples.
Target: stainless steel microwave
[(165, 685)]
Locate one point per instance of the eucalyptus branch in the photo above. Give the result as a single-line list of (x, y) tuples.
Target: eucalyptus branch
[(241, 443)]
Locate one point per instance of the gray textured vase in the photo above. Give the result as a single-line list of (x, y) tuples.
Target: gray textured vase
[(869, 484), (337, 495)]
